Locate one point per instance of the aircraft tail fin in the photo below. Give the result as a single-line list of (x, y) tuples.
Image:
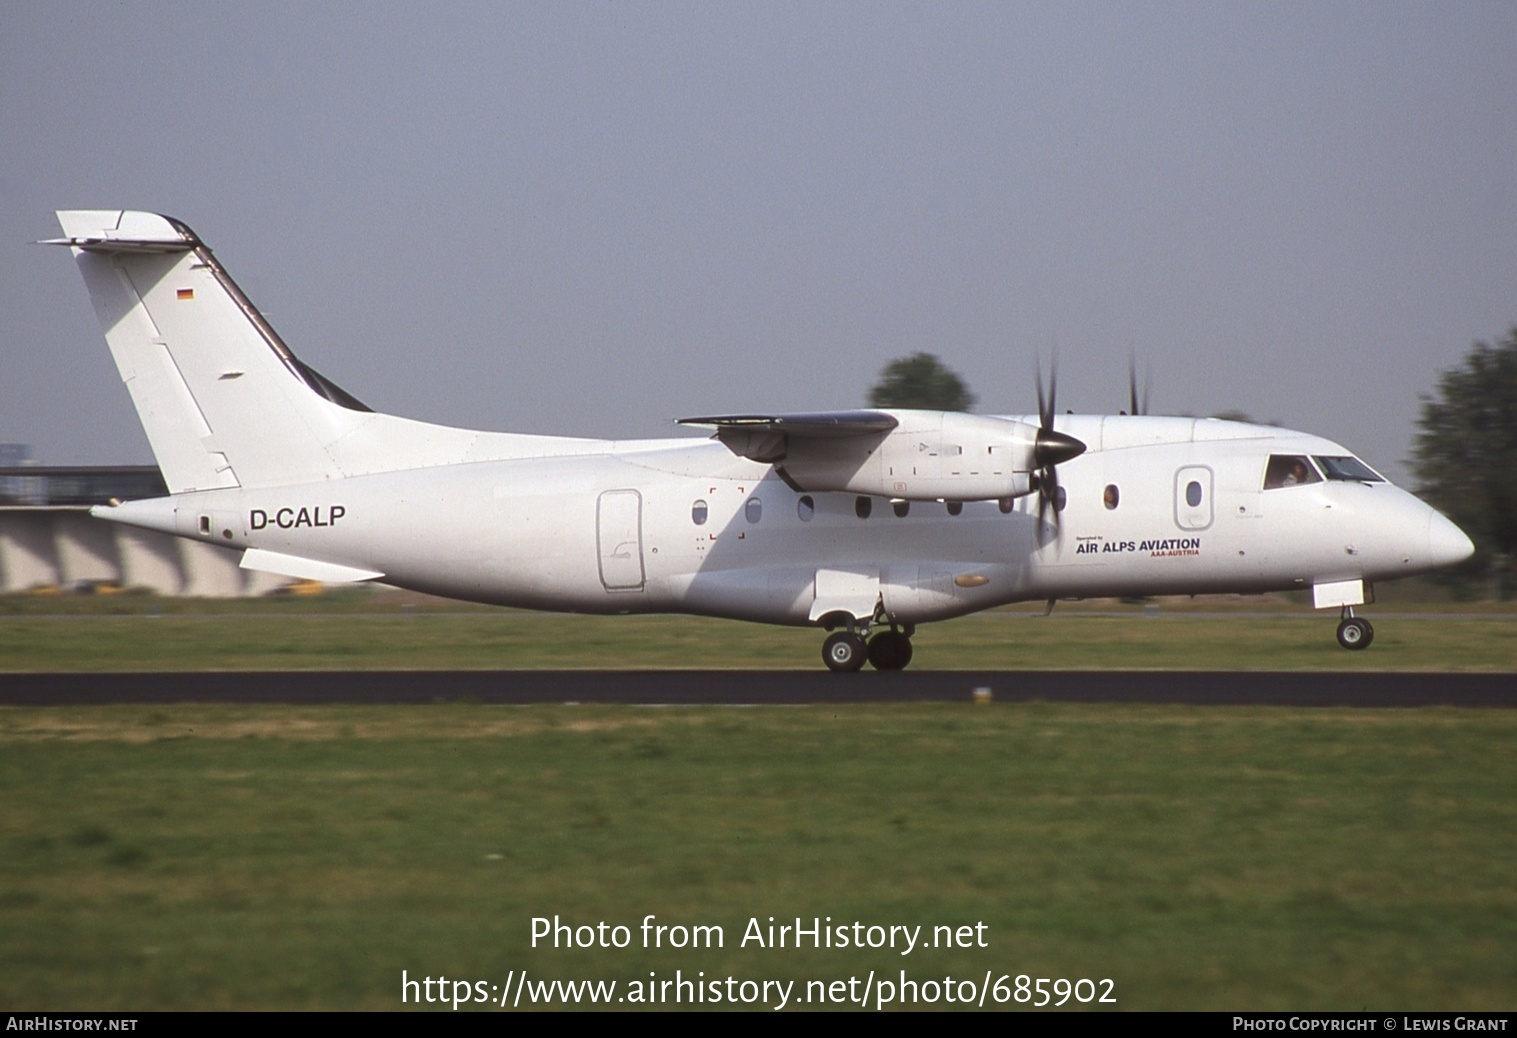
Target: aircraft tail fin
[(223, 400)]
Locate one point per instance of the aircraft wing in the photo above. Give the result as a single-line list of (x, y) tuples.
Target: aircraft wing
[(769, 437)]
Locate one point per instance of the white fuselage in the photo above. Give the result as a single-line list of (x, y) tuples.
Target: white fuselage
[(611, 527), (848, 519)]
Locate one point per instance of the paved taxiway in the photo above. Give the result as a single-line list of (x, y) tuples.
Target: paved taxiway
[(772, 687)]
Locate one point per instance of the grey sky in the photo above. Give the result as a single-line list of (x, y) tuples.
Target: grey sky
[(592, 218)]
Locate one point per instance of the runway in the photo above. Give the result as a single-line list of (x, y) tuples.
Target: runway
[(764, 688)]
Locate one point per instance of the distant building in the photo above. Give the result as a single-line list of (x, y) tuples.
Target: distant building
[(49, 540), (41, 485)]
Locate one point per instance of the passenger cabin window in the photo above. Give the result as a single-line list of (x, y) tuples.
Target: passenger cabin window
[(955, 507), (1350, 470), (902, 508), (805, 508), (1110, 497), (699, 513), (1289, 470), (862, 506), (753, 511), (1193, 494)]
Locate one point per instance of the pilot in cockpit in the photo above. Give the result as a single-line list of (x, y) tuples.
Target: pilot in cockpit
[(1288, 470)]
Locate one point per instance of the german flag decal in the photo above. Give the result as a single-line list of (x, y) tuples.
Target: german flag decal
[(186, 293)]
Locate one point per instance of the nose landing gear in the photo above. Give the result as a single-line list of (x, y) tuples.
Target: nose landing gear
[(1354, 632)]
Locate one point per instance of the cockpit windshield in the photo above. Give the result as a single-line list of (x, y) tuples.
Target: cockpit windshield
[(1289, 470), (1349, 470)]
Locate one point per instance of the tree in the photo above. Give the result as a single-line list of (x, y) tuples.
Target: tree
[(921, 381), (1465, 452)]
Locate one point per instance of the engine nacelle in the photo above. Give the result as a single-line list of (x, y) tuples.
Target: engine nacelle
[(928, 456)]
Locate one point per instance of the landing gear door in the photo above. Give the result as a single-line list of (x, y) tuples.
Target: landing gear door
[(619, 531), (853, 592), (1193, 497)]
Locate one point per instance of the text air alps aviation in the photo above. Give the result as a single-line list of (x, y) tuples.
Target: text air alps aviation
[(866, 523)]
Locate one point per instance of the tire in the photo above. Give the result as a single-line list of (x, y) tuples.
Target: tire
[(844, 652), (1355, 633), (889, 650)]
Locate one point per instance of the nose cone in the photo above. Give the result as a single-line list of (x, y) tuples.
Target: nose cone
[(1446, 543)]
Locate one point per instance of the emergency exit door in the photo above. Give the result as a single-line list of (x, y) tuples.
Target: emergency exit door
[(1193, 491)]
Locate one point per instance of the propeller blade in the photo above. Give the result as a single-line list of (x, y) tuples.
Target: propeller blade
[(1053, 390), (1134, 404), (1048, 497), (1051, 448), (1045, 414)]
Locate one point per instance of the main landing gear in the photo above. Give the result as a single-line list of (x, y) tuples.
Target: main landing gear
[(1354, 632), (847, 651)]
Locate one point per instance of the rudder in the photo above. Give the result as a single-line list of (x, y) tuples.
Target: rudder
[(223, 401)]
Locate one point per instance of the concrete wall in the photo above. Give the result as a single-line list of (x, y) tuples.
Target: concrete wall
[(63, 547)]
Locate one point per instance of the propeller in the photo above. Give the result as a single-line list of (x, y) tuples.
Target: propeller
[(1051, 448), (1134, 406)]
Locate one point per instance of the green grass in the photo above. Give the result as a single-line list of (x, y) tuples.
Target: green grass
[(299, 635), (1203, 859), (240, 857)]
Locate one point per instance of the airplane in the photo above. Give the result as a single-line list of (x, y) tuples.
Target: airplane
[(864, 522)]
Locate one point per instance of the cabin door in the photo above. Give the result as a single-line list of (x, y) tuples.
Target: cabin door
[(619, 532)]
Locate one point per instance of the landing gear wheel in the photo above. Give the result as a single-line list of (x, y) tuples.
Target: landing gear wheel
[(1355, 633), (889, 650), (844, 652)]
